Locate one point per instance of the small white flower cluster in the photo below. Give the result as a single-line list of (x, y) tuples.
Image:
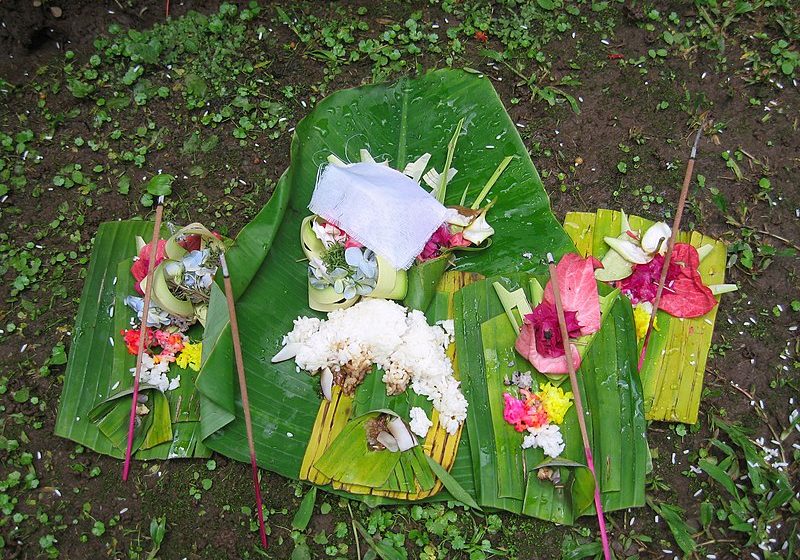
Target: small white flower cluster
[(156, 374), (548, 437), (401, 342)]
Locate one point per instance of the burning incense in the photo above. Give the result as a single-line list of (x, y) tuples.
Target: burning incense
[(676, 224), (237, 352), (148, 290), (573, 380)]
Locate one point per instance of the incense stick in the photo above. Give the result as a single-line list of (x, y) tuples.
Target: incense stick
[(148, 290), (237, 352), (676, 224), (573, 380)]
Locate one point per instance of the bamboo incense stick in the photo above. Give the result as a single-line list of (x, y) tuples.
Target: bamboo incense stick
[(573, 380), (237, 352), (148, 290), (676, 224)]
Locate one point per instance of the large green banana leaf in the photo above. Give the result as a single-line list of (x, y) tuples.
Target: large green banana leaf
[(98, 371), (401, 122)]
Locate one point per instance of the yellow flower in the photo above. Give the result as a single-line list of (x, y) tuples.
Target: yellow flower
[(190, 356), (641, 318), (555, 401)]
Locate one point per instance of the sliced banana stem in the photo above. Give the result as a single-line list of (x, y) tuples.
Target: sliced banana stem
[(401, 433)]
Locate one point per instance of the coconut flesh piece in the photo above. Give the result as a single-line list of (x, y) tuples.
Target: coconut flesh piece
[(398, 438), (388, 441), (326, 383), (401, 433)]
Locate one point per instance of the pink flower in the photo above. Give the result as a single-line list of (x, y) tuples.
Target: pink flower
[(139, 268), (458, 240), (350, 242), (516, 413), (578, 290), (539, 340), (684, 294), (442, 240), (439, 240), (546, 331), (524, 414)]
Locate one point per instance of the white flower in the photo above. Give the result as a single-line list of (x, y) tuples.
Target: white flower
[(155, 315), (548, 438), (656, 238), (155, 374), (420, 424), (478, 230), (328, 234)]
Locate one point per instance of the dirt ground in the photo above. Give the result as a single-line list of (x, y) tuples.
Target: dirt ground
[(755, 348)]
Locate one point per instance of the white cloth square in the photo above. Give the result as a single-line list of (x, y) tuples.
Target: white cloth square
[(380, 208)]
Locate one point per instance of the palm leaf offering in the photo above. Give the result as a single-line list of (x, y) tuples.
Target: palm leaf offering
[(332, 420), (416, 117), (525, 480), (675, 361), (96, 398), (310, 428)]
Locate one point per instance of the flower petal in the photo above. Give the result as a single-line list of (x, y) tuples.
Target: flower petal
[(628, 249), (526, 345), (578, 291)]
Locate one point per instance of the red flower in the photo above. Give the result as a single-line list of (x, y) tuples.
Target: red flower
[(439, 241), (131, 338), (481, 36), (684, 294), (540, 339), (191, 242), (139, 268), (546, 331)]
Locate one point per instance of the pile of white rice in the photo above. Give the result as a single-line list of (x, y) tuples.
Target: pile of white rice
[(399, 341)]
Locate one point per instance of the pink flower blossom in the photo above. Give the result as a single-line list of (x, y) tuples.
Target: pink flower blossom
[(139, 268), (540, 338)]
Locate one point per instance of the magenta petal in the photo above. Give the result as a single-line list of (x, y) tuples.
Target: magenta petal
[(526, 345), (578, 289)]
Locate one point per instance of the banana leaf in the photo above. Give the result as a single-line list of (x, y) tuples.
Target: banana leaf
[(505, 474), (99, 372), (401, 121), (675, 363)]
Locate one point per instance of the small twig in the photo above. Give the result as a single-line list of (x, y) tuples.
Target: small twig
[(576, 395), (148, 290), (676, 225), (355, 532), (779, 238)]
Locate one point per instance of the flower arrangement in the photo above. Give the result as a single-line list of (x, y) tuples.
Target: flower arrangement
[(341, 269), (183, 273), (539, 414), (634, 263), (539, 340), (345, 265)]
